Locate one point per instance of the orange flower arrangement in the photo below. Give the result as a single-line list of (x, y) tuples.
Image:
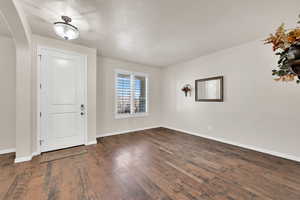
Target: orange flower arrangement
[(286, 44), (283, 39)]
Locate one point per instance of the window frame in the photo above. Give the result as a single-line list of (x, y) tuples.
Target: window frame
[(132, 75)]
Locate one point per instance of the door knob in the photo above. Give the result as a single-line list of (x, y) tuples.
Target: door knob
[(82, 107), (82, 113)]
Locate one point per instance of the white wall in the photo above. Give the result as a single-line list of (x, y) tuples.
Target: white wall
[(8, 93), (19, 28), (106, 122), (257, 111)]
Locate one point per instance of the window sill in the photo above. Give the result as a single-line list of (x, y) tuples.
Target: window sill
[(124, 116)]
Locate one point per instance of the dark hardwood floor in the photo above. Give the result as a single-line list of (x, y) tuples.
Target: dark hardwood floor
[(153, 164)]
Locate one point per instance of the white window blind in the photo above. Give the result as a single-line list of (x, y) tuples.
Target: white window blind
[(123, 93), (139, 94), (131, 94)]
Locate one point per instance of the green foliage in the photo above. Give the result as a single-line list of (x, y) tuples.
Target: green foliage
[(283, 71)]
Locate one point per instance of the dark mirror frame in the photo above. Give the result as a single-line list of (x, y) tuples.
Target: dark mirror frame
[(221, 78)]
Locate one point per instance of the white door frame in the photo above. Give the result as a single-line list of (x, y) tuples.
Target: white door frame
[(39, 64)]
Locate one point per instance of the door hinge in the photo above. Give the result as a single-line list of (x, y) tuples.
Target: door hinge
[(41, 142), (40, 86), (40, 55), (40, 114)]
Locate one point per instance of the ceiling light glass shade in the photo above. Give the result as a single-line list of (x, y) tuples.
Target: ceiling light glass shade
[(66, 30)]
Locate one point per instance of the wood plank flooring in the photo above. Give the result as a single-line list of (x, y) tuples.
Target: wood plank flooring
[(153, 164)]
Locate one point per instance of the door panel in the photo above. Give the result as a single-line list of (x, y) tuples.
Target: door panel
[(62, 94), (61, 126)]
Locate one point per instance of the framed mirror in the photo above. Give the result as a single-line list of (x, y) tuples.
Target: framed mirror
[(210, 89)]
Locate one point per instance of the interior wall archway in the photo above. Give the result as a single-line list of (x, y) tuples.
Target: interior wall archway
[(12, 12)]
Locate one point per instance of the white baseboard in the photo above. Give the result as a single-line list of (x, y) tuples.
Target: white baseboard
[(4, 151), (27, 158), (274, 153), (35, 154), (92, 142), (23, 159), (127, 131)]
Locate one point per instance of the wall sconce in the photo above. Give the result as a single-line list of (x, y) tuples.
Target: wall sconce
[(187, 89)]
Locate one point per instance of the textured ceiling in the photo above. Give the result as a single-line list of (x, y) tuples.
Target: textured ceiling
[(162, 32)]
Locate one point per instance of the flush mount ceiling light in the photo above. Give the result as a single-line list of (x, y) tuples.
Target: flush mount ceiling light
[(65, 30)]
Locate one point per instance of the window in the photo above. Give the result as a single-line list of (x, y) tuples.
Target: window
[(131, 94)]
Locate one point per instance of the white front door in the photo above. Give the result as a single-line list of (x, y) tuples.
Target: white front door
[(63, 99)]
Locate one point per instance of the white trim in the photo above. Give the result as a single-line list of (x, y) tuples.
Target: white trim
[(40, 48), (4, 151), (99, 135), (270, 152), (27, 158), (124, 116), (86, 99), (121, 71), (92, 142), (132, 74), (23, 159), (35, 154)]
